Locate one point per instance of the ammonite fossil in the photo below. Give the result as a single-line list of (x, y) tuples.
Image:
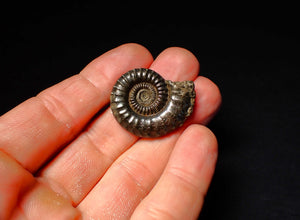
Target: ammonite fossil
[(147, 105)]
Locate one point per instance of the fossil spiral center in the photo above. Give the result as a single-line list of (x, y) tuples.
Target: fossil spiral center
[(144, 99)]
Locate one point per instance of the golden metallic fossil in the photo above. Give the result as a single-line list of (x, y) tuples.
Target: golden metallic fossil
[(147, 105)]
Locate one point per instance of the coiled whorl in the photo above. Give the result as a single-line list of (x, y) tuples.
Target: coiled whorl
[(149, 106)]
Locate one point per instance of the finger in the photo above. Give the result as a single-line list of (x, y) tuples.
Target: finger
[(42, 124), (207, 103), (22, 197), (135, 172), (79, 167), (176, 64), (180, 191), (14, 181), (40, 200)]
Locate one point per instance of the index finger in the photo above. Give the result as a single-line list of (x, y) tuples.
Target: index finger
[(34, 130)]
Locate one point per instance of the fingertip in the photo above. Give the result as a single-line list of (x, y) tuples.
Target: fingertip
[(208, 100), (135, 48), (42, 200), (112, 64), (14, 181), (200, 136), (177, 64)]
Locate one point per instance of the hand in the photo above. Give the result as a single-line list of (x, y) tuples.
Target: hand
[(59, 159)]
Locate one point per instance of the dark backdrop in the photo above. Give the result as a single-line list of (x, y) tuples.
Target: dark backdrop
[(255, 66)]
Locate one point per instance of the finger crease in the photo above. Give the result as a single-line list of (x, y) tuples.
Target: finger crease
[(104, 81), (186, 178), (133, 168), (98, 149), (50, 102), (101, 91), (156, 212)]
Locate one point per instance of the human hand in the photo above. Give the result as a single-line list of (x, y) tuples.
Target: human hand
[(59, 159)]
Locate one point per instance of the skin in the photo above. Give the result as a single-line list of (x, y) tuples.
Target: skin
[(60, 159)]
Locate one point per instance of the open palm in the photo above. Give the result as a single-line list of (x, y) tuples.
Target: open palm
[(64, 156)]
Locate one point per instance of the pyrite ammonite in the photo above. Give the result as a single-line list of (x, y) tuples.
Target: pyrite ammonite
[(147, 105)]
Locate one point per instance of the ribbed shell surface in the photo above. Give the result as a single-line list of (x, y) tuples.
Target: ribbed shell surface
[(149, 106)]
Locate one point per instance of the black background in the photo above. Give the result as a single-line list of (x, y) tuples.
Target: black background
[(255, 66)]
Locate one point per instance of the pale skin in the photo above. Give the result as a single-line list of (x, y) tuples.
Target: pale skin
[(59, 159)]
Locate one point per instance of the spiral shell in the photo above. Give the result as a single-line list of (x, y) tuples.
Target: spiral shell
[(147, 105)]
